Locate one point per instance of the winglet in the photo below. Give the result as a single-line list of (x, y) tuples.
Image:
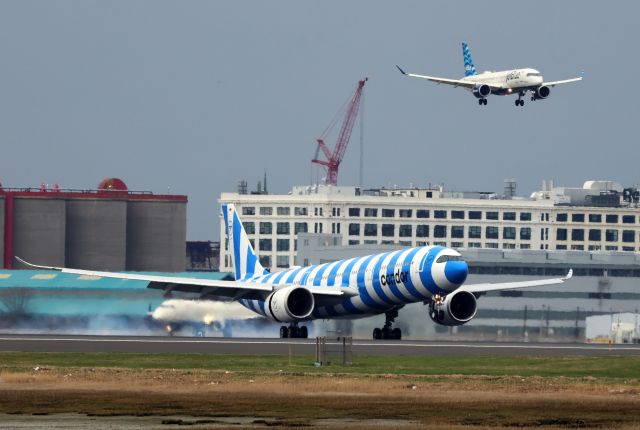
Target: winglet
[(401, 71), (26, 263), (569, 275)]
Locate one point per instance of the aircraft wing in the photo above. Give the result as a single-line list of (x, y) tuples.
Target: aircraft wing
[(566, 81), (202, 286), (446, 81), (483, 288)]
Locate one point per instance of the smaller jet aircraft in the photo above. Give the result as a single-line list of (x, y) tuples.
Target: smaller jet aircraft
[(508, 82)]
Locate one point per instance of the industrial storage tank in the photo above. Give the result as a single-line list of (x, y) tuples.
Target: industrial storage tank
[(156, 234), (96, 234), (39, 230), (2, 206)]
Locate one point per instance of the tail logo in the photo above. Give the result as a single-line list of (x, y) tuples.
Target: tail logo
[(469, 68)]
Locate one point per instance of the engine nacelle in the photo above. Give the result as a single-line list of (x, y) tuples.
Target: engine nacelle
[(541, 92), (289, 304), (481, 91), (457, 308)]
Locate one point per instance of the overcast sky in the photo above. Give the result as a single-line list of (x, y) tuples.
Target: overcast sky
[(192, 96)]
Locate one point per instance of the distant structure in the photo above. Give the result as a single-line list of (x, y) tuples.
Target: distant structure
[(109, 228), (203, 256)]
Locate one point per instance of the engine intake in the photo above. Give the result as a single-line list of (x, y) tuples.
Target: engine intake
[(457, 308), (481, 91), (542, 92), (289, 304)]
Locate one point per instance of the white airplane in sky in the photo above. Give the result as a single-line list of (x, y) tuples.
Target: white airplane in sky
[(504, 83), (354, 288)]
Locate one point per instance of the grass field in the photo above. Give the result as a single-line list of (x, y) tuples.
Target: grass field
[(271, 391)]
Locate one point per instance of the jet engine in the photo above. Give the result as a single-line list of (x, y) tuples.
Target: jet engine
[(456, 308), (541, 92), (289, 304), (481, 91)]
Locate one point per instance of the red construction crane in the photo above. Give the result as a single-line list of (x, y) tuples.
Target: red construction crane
[(333, 160)]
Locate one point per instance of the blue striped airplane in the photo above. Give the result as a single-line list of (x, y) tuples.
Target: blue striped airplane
[(353, 288)]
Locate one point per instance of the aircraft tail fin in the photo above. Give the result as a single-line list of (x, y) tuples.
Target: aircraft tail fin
[(469, 68), (243, 257)]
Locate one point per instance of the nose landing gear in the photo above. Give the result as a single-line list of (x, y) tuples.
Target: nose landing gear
[(387, 332)]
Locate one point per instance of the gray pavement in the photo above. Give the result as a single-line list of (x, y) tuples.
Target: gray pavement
[(261, 346)]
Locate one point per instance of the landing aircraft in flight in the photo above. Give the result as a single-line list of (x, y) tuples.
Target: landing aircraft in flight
[(353, 288), (504, 83)]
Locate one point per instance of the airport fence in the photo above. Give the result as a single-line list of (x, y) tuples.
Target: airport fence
[(334, 350)]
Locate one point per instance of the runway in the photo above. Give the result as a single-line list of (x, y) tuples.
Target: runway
[(262, 346)]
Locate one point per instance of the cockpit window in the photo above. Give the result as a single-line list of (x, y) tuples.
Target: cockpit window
[(534, 74), (445, 258)]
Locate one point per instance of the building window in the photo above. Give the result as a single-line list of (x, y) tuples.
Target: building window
[(475, 231), (491, 232), (388, 213), (457, 214), (475, 214), (265, 228), (265, 245), (354, 229), (440, 231), (371, 229), (249, 227), (282, 261), (611, 248), (265, 260), (577, 234), (595, 218), (422, 213), (561, 247), (422, 231), (509, 216), (457, 232), (525, 216), (405, 213), (577, 247), (509, 233), (561, 217), (611, 235), (266, 210), (628, 236), (492, 245), (612, 219), (354, 242), (440, 214), (577, 217), (628, 219), (525, 234), (525, 246), (595, 235), (456, 244), (300, 211), (405, 231), (561, 234), (370, 212), (282, 228), (282, 245), (491, 215), (354, 211), (248, 210), (300, 227), (475, 245), (283, 210), (388, 230)]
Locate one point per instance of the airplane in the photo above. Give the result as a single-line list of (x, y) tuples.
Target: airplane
[(354, 288), (504, 83)]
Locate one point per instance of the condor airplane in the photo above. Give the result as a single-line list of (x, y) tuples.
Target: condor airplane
[(508, 82), (353, 288)]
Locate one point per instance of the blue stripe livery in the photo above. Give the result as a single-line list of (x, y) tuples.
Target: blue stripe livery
[(469, 68)]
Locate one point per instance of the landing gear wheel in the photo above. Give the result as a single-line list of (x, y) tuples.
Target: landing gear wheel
[(387, 332), (284, 332), (484, 101), (480, 102), (396, 334), (377, 333), (304, 332)]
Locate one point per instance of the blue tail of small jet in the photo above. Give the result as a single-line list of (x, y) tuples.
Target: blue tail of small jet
[(243, 257), (469, 68)]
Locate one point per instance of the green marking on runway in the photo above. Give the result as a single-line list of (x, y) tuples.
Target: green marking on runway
[(603, 367)]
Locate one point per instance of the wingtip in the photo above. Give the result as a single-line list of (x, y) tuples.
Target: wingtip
[(401, 71), (569, 275)]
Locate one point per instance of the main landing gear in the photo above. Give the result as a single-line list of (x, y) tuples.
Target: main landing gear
[(387, 332), (520, 102), (482, 102), (293, 331)]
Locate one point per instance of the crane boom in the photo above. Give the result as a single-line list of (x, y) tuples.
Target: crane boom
[(333, 159)]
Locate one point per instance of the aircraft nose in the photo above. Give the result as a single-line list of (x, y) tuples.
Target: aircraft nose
[(456, 271)]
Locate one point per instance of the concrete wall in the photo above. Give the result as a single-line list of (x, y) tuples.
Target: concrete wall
[(156, 235), (39, 230), (1, 231), (96, 234)]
